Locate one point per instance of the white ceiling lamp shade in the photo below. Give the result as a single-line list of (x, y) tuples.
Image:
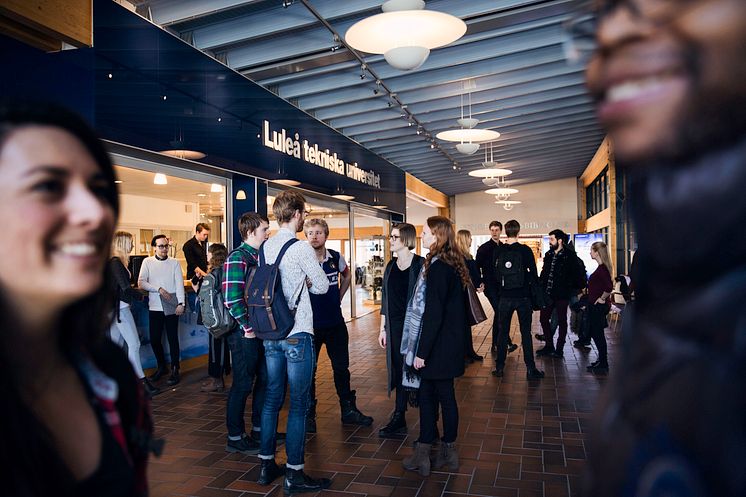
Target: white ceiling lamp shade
[(405, 33), (216, 188), (182, 153), (240, 195), (508, 204), (491, 181), (501, 191), (467, 122), (160, 179), (468, 135), (286, 182), (467, 148), (493, 172)]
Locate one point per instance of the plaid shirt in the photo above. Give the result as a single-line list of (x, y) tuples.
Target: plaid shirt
[(234, 281)]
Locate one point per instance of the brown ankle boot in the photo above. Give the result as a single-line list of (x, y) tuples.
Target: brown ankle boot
[(419, 460), (447, 456)]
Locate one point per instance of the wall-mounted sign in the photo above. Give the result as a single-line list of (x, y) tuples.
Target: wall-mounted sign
[(292, 145)]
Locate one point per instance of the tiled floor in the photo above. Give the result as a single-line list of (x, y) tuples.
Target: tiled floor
[(516, 439)]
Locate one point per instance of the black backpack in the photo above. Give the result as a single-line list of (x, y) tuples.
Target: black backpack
[(270, 315), (580, 277), (510, 268)]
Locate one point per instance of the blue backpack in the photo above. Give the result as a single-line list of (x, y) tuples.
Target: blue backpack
[(270, 315)]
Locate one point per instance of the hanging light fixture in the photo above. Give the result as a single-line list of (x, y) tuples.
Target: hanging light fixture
[(216, 188), (179, 150), (491, 174), (508, 204), (160, 179), (240, 195), (340, 194), (468, 136), (405, 33)]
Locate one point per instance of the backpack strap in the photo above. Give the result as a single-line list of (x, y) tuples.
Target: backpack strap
[(283, 250)]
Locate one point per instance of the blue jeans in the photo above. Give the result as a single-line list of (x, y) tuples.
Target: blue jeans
[(291, 360), (248, 365)]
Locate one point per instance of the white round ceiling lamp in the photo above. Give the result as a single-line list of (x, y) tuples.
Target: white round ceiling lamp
[(492, 172), (490, 181), (405, 33), (286, 182), (508, 204), (342, 196), (501, 191), (468, 135)]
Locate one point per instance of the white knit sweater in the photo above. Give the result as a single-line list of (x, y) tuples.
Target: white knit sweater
[(155, 274), (298, 263)]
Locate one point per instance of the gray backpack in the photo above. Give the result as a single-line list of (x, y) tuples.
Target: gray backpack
[(215, 316)]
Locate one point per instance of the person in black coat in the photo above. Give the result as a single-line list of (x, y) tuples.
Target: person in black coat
[(399, 279), (463, 240), (440, 350)]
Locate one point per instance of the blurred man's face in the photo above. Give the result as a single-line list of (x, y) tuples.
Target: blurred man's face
[(495, 232), (670, 76)]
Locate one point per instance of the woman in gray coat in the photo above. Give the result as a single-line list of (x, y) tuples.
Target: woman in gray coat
[(399, 279)]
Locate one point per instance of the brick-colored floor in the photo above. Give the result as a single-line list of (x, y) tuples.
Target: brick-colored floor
[(516, 438)]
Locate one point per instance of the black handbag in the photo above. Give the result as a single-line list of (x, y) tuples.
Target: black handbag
[(476, 312), (539, 298)]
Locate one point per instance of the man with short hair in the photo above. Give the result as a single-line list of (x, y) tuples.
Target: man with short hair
[(486, 261), (560, 282), (247, 351), (668, 78), (161, 276), (195, 253), (516, 271), (291, 360), (329, 327)]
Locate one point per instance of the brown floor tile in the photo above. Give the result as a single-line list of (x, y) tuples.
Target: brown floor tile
[(516, 438)]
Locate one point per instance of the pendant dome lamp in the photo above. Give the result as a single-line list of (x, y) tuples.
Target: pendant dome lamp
[(491, 174), (405, 33)]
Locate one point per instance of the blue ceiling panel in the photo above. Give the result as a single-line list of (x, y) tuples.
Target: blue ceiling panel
[(511, 60)]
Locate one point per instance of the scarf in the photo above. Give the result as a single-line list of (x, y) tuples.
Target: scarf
[(411, 337)]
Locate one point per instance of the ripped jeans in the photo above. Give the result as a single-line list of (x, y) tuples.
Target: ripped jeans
[(292, 361)]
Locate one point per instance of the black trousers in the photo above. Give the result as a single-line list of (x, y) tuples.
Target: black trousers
[(506, 308), (337, 341), (597, 324), (397, 366), (494, 299), (432, 394), (157, 321)]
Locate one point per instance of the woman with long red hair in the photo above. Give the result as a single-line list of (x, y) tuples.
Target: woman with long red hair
[(433, 344)]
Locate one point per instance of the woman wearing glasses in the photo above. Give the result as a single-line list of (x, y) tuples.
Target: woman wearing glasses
[(399, 279), (161, 276)]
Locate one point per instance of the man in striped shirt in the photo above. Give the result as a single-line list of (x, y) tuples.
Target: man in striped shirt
[(246, 350)]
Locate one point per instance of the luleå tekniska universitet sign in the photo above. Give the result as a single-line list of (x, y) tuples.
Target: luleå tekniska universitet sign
[(292, 145)]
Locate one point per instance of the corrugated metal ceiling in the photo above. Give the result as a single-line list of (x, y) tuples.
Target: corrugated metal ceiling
[(511, 56)]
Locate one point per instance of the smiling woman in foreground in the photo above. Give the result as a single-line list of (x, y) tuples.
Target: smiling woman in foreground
[(72, 404)]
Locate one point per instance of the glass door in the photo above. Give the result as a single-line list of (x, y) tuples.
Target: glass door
[(371, 253)]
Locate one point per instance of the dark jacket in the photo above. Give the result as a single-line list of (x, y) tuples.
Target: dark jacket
[(122, 287), (486, 262), (674, 411), (195, 255), (442, 337), (474, 273), (566, 281), (414, 271)]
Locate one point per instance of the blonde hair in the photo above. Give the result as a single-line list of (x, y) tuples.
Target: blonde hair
[(122, 245), (463, 242), (317, 222), (603, 252)]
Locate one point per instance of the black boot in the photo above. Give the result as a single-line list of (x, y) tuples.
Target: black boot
[(350, 413), (150, 389), (174, 378), (297, 482), (269, 471), (158, 373), (311, 417), (396, 426)]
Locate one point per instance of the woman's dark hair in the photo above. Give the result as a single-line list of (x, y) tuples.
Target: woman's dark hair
[(219, 255), (27, 444)]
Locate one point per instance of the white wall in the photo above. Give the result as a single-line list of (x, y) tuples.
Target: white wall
[(545, 206), (149, 212)]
